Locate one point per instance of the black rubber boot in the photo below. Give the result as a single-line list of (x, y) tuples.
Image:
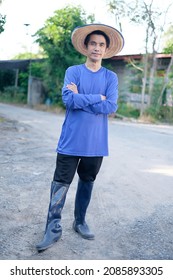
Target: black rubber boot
[(83, 197), (53, 230)]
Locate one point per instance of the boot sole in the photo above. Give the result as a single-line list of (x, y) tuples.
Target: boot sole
[(43, 248)]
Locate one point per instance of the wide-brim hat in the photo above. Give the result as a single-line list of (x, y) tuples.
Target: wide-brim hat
[(116, 39)]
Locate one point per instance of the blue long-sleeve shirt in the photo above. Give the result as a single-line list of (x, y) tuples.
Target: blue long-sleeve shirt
[(85, 128)]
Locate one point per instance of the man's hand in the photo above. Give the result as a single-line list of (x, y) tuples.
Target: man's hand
[(103, 97), (72, 87)]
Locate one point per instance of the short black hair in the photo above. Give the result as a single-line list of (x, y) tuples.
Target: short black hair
[(97, 32)]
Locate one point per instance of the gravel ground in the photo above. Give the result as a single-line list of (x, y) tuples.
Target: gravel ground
[(133, 207)]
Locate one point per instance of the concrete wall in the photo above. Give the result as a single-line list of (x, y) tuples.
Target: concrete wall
[(35, 91)]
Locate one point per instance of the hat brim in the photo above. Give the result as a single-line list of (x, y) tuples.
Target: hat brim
[(116, 39)]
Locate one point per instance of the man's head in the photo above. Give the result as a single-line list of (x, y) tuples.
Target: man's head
[(97, 44), (97, 32), (81, 36)]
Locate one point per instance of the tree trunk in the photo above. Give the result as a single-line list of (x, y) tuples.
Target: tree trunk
[(144, 81), (152, 75)]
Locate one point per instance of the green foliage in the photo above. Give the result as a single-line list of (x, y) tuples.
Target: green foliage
[(13, 94), (2, 23), (7, 81), (36, 69), (162, 113), (168, 40), (107, 63), (134, 78), (28, 55), (158, 83), (55, 40), (23, 81), (10, 93), (127, 110), (7, 78), (170, 77)]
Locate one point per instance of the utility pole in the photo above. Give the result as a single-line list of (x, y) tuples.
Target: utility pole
[(29, 93)]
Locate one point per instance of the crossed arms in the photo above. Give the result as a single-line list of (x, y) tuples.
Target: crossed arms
[(91, 103)]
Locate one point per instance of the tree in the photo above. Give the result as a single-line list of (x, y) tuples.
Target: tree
[(2, 20), (141, 12), (168, 48), (168, 40), (55, 40)]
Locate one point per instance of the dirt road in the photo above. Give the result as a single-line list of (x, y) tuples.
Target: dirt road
[(131, 211)]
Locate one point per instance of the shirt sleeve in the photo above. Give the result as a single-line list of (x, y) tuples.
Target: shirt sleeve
[(109, 105), (76, 101)]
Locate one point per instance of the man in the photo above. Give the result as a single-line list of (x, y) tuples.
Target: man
[(89, 93)]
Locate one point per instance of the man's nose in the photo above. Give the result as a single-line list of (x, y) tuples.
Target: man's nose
[(96, 47)]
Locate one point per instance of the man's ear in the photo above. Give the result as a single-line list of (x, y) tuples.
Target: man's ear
[(106, 50)]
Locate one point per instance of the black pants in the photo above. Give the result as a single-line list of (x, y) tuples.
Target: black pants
[(66, 166)]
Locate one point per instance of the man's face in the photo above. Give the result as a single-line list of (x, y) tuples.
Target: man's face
[(96, 48)]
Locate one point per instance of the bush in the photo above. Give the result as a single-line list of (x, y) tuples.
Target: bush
[(162, 113), (127, 110), (13, 94)]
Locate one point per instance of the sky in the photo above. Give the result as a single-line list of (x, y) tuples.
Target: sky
[(17, 37)]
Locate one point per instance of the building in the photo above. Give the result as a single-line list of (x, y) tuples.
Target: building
[(129, 83)]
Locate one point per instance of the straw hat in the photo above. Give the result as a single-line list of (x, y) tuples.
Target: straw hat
[(116, 39)]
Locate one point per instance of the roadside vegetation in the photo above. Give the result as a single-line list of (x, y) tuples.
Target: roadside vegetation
[(54, 40)]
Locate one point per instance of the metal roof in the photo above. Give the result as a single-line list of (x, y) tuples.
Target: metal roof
[(20, 64)]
